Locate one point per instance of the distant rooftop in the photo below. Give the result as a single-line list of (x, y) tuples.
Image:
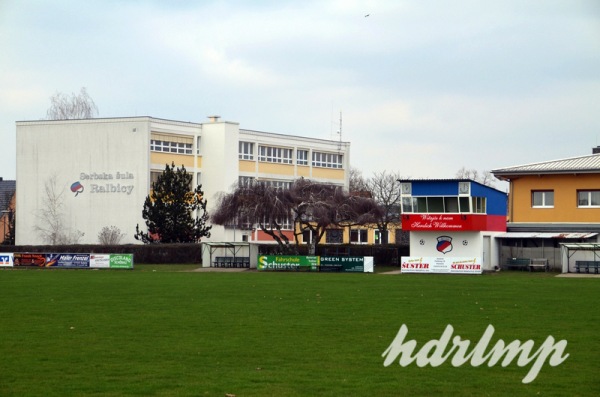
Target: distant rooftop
[(7, 190), (581, 165)]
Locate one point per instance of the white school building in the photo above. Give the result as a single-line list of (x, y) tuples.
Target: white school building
[(98, 172)]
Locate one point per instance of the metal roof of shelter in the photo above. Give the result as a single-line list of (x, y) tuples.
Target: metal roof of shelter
[(582, 246), (546, 235), (581, 164)]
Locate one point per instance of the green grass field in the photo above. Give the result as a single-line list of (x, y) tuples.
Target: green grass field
[(159, 331)]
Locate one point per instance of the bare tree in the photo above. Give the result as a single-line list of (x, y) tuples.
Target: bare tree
[(51, 225), (487, 178), (357, 183), (306, 204), (385, 190), (110, 235), (76, 106), (256, 204), (317, 207)]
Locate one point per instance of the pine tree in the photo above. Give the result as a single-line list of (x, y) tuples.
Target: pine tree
[(173, 212)]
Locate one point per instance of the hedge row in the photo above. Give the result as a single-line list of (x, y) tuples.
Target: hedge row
[(192, 253)]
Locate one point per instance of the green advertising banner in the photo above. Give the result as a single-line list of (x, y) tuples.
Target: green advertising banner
[(121, 261), (288, 262), (350, 264)]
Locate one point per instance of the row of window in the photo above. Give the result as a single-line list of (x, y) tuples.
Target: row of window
[(272, 154), (585, 198), (170, 147), (357, 236), (249, 180), (154, 175), (439, 204), (269, 154)]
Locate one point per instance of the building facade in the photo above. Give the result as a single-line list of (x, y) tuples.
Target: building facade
[(551, 203), (7, 208), (97, 173), (452, 221)]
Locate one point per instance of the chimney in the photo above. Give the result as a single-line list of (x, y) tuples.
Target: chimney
[(596, 150), (214, 119)]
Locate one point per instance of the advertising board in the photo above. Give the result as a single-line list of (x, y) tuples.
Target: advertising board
[(288, 262), (411, 264)]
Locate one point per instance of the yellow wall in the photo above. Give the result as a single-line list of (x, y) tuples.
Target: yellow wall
[(198, 162), (392, 228), (328, 173), (168, 158), (279, 169), (565, 189), (247, 166), (303, 171)]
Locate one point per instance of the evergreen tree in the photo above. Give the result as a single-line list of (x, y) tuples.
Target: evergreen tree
[(173, 212)]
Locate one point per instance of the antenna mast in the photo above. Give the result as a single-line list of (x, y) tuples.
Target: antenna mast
[(340, 133)]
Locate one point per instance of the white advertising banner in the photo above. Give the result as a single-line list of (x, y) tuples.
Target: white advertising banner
[(100, 261), (6, 259), (413, 264)]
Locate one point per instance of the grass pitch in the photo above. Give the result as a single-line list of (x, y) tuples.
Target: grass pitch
[(159, 331)]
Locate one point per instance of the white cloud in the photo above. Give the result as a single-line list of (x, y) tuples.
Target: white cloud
[(426, 87)]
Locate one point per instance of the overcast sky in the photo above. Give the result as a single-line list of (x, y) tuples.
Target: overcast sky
[(425, 87)]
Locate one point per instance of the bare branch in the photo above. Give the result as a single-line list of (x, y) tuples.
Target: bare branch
[(63, 107)]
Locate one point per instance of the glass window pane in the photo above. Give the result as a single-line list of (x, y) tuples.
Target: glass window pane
[(582, 199), (464, 204), (537, 199), (451, 204), (549, 199), (435, 204), (595, 198), (407, 204), (421, 205)]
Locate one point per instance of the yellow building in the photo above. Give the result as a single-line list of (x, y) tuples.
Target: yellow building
[(550, 203)]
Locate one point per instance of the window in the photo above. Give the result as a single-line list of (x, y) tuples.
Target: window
[(286, 224), (358, 236), (302, 157), (334, 236), (379, 235), (154, 175), (246, 151), (306, 236), (409, 204), (272, 154), (588, 198), (170, 147), (246, 181), (446, 205), (464, 204), (479, 204), (276, 184), (544, 198), (326, 160), (198, 145), (154, 178), (198, 178)]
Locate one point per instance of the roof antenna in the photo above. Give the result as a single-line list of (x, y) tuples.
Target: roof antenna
[(340, 133)]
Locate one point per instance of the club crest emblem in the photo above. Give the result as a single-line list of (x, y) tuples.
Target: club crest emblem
[(77, 188), (444, 244)]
